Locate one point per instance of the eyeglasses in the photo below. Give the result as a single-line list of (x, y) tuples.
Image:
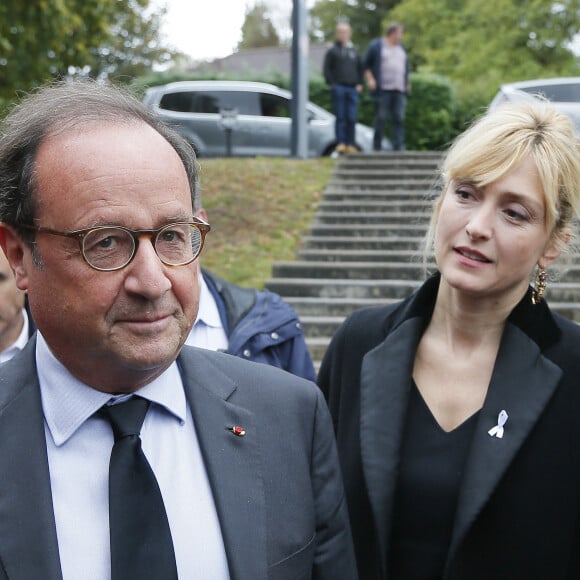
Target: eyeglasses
[(109, 248)]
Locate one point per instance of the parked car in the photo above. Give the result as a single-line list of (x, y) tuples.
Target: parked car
[(564, 93), (258, 114)]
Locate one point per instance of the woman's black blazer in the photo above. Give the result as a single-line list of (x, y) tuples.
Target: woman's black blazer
[(519, 505)]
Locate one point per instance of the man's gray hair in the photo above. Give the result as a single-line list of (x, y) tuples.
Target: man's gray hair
[(58, 108)]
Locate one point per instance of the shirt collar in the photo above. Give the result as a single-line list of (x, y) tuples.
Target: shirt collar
[(67, 402), (208, 312), (19, 343)]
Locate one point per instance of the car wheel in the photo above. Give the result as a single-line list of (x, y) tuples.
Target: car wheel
[(329, 150)]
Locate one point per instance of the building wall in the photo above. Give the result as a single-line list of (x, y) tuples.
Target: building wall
[(264, 60)]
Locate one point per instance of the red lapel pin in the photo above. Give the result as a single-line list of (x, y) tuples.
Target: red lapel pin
[(237, 430)]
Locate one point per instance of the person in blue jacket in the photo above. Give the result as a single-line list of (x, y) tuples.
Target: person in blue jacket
[(253, 324), (386, 73)]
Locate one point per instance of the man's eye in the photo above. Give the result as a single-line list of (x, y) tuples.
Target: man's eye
[(106, 242)]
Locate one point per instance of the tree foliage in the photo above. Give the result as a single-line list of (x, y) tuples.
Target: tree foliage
[(46, 39), (258, 31), (366, 17), (480, 44)]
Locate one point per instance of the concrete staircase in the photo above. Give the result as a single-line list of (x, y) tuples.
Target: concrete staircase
[(364, 246)]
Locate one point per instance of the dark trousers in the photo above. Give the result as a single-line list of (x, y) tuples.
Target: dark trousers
[(345, 105), (390, 104)]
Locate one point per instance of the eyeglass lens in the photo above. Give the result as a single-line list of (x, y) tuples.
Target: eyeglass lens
[(111, 248)]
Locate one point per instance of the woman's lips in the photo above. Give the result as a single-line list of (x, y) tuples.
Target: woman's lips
[(472, 255)]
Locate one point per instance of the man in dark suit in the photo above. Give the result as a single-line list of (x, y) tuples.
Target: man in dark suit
[(124, 455), (15, 324)]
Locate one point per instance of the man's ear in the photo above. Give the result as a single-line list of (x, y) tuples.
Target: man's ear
[(15, 249), (201, 214)]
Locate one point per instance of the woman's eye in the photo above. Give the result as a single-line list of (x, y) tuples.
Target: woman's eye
[(463, 194), (517, 215)]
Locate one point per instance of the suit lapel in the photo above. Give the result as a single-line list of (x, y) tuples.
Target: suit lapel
[(522, 384), (232, 463), (385, 383), (28, 542)]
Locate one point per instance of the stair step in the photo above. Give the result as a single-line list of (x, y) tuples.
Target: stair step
[(413, 243), (349, 270), (321, 325), (380, 217), (384, 165), (339, 307), (371, 230), (355, 195), (349, 255), (328, 288), (406, 185), (397, 205), (386, 174), (410, 157), (317, 346)]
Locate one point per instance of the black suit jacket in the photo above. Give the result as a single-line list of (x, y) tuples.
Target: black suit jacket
[(519, 505), (278, 490)]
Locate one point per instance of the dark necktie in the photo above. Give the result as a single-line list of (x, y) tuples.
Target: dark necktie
[(141, 544)]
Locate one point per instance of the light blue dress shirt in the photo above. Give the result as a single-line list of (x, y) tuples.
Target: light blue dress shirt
[(20, 342), (79, 446), (208, 331)]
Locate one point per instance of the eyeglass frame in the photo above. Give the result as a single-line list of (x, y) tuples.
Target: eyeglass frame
[(80, 235)]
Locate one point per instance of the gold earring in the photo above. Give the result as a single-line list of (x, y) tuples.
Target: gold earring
[(539, 285)]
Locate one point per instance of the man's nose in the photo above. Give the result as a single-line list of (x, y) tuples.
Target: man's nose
[(146, 274)]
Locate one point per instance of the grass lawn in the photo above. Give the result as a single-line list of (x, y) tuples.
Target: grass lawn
[(259, 209)]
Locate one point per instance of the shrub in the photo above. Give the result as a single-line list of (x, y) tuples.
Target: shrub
[(430, 112)]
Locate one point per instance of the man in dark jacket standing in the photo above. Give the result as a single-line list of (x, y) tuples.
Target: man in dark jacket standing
[(343, 71), (255, 325), (252, 324), (387, 75)]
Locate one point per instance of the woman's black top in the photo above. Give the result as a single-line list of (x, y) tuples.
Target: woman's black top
[(431, 466)]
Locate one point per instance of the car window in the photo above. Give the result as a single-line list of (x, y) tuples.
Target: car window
[(274, 105), (566, 93), (181, 102), (246, 103)]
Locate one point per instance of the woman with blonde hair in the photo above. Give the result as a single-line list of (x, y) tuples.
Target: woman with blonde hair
[(457, 411)]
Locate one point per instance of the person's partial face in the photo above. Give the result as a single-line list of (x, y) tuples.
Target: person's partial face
[(343, 33), (396, 37), (113, 330), (488, 240), (11, 304)]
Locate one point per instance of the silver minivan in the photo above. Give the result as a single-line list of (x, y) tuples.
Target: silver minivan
[(255, 117)]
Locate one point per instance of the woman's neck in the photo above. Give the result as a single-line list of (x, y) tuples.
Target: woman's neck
[(465, 321)]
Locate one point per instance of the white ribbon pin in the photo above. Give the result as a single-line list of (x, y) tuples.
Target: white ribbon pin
[(497, 431)]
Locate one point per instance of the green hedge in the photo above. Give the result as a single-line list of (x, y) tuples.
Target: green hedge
[(431, 112), (434, 114)]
